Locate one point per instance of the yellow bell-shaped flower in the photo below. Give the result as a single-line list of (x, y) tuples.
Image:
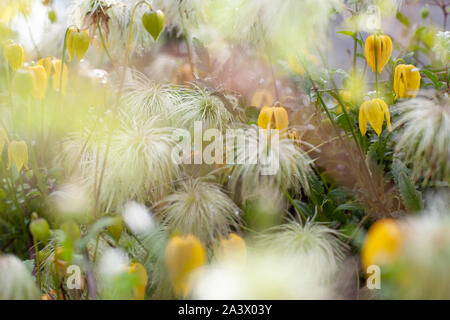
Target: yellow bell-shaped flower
[(406, 81), (261, 97), (14, 55), (374, 111), (139, 271), (183, 256), (382, 243), (77, 43), (18, 153), (52, 67), (383, 45), (231, 248), (40, 82), (273, 118), (3, 140)]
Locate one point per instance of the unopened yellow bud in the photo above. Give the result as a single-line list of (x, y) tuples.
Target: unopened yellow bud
[(77, 43), (18, 153), (40, 82), (183, 256), (14, 55)]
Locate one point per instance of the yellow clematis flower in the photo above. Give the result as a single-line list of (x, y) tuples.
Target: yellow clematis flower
[(77, 43), (3, 140), (406, 81), (374, 111), (273, 118), (18, 153), (383, 46), (382, 243), (40, 82), (52, 67), (262, 97), (184, 254), (231, 248), (14, 55), (141, 274)]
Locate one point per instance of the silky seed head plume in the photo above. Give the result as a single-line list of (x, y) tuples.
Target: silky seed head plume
[(264, 158), (262, 276), (143, 97), (16, 281), (423, 138), (199, 105), (311, 243), (442, 46), (201, 208), (139, 162)]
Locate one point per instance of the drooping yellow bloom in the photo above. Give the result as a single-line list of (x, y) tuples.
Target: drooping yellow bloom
[(40, 82), (261, 97), (14, 55), (273, 118), (231, 248), (406, 81), (374, 111), (183, 256), (3, 139), (52, 67), (18, 153), (77, 43), (383, 46), (382, 243), (142, 280)]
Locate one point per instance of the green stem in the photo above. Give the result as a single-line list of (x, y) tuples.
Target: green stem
[(288, 196), (104, 43), (37, 262)]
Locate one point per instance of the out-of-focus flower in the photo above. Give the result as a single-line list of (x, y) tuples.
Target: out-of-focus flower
[(115, 229), (137, 217), (420, 270), (382, 243), (23, 82), (262, 97), (139, 288), (18, 153), (183, 256), (423, 141), (201, 208), (406, 81), (263, 275), (40, 82), (40, 230), (273, 118), (77, 43), (442, 46), (14, 55), (3, 139), (52, 66), (16, 282), (377, 50), (374, 111), (233, 247), (153, 22)]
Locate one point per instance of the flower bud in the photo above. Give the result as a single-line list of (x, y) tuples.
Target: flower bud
[(139, 288), (154, 23), (77, 43), (40, 82), (116, 228), (14, 55), (18, 153), (40, 230), (23, 82)]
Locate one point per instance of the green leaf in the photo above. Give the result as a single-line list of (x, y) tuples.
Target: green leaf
[(404, 20), (347, 33), (412, 199), (430, 75)]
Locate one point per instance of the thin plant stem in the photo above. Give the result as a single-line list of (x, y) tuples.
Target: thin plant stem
[(37, 263), (288, 196)]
